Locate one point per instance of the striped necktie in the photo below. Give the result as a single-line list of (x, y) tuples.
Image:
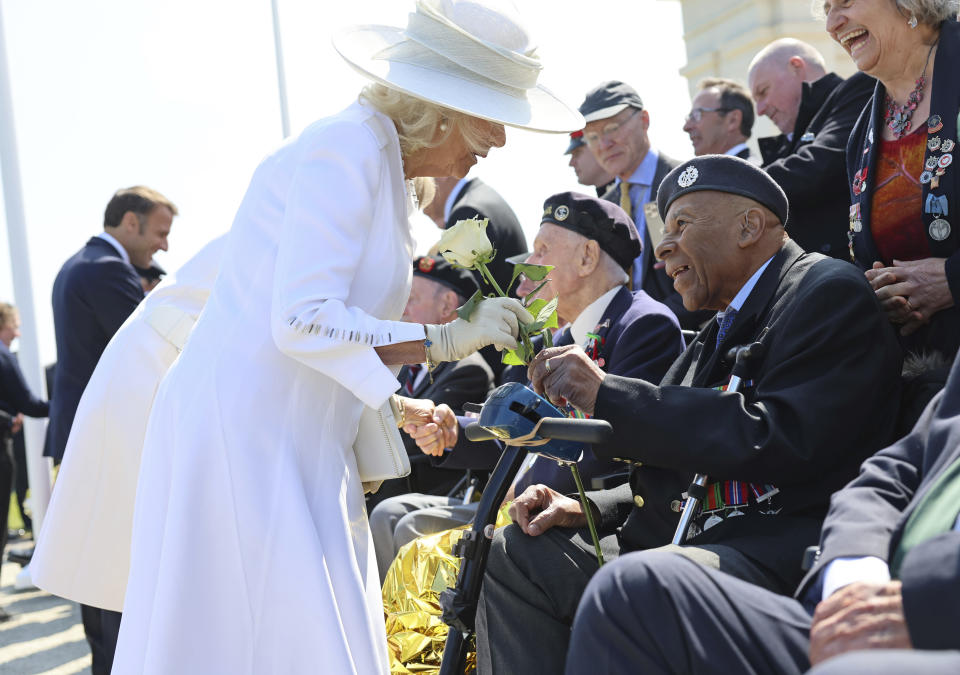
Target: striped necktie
[(725, 322), (412, 371)]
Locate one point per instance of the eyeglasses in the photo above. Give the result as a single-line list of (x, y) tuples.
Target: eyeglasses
[(697, 113), (608, 131)]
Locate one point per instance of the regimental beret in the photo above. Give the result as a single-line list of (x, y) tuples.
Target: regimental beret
[(607, 99), (576, 140), (597, 219), (455, 278), (722, 173)]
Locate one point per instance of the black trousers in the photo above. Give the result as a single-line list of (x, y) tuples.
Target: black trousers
[(654, 612), (7, 471), (533, 585), (101, 626)]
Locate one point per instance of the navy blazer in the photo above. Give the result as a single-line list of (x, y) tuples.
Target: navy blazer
[(93, 294), (943, 331), (15, 395), (824, 397), (641, 338), (867, 518)]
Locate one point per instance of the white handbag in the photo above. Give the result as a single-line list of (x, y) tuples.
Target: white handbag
[(379, 448)]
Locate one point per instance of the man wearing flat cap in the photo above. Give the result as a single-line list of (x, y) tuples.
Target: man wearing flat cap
[(616, 134), (591, 243), (822, 398)]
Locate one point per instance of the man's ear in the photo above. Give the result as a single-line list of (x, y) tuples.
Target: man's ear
[(753, 224), (589, 258), (130, 222), (449, 301), (734, 118)]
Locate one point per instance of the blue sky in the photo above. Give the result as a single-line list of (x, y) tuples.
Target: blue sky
[(181, 95)]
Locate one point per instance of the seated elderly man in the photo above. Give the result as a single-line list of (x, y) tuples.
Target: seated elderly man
[(437, 290), (887, 578), (591, 243), (822, 399)]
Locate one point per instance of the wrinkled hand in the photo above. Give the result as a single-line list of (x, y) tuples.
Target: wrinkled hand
[(910, 292), (17, 423), (436, 434), (566, 375), (539, 508), (495, 321), (416, 411), (859, 616)]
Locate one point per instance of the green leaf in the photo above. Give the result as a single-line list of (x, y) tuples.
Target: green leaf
[(532, 272), (466, 310), (511, 358), (548, 314), (536, 290), (535, 307)]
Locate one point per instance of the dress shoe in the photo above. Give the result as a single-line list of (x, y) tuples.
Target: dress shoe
[(21, 556)]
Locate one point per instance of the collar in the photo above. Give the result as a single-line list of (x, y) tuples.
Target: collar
[(739, 147), (812, 97), (452, 198), (588, 319), (741, 297), (643, 175), (110, 239)]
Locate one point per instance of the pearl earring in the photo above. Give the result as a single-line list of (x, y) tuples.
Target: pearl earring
[(913, 21)]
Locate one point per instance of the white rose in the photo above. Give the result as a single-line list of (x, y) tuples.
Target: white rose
[(465, 244)]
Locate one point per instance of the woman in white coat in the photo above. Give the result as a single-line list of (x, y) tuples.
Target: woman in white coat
[(251, 552)]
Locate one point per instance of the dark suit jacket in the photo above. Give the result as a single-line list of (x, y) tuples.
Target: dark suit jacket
[(94, 293), (824, 398), (641, 338), (943, 331), (813, 172), (15, 395), (867, 518), (479, 200), (656, 283)]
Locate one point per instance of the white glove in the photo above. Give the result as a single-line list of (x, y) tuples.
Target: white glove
[(495, 321)]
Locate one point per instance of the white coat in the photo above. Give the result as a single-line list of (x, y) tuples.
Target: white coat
[(83, 552), (251, 552)]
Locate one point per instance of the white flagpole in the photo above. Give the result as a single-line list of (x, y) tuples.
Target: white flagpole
[(38, 467), (281, 74)]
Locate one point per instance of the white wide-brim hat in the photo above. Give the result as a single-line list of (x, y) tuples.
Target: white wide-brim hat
[(472, 56)]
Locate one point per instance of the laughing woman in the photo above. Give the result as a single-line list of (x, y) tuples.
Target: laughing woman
[(905, 187), (251, 552)]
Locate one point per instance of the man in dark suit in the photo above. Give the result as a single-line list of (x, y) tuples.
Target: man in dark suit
[(822, 399), (721, 119), (93, 294), (815, 111), (616, 134), (585, 165), (591, 243), (883, 596)]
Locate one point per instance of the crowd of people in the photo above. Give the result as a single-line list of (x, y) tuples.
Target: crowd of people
[(209, 513)]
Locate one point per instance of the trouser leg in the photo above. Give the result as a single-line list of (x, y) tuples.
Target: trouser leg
[(655, 612), (384, 519), (6, 486), (530, 594), (891, 662), (431, 520)]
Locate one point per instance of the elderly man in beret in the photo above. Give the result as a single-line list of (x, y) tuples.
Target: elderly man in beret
[(821, 400), (591, 243)]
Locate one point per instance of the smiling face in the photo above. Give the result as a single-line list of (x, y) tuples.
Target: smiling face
[(873, 32), (701, 247), (454, 155), (717, 131), (776, 89), (620, 152)]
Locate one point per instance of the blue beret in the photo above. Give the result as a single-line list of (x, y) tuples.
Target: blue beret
[(596, 219), (439, 270), (722, 173)]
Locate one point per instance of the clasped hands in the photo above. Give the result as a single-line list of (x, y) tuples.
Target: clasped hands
[(910, 292), (433, 427)]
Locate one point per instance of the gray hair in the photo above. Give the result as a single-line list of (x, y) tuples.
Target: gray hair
[(417, 120), (928, 12)]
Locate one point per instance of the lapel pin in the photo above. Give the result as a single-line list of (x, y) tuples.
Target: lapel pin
[(934, 124)]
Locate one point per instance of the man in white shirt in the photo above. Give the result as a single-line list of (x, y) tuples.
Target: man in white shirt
[(721, 118)]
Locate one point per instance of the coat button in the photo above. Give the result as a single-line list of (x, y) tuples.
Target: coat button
[(638, 500)]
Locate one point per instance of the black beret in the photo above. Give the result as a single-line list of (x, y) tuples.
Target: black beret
[(576, 140), (607, 99), (597, 219), (455, 278), (722, 173)]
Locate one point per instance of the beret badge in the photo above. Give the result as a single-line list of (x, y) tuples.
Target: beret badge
[(688, 177), (561, 212)]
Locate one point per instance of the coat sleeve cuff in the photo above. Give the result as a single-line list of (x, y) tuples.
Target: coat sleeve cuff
[(952, 269), (931, 594), (612, 505)]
